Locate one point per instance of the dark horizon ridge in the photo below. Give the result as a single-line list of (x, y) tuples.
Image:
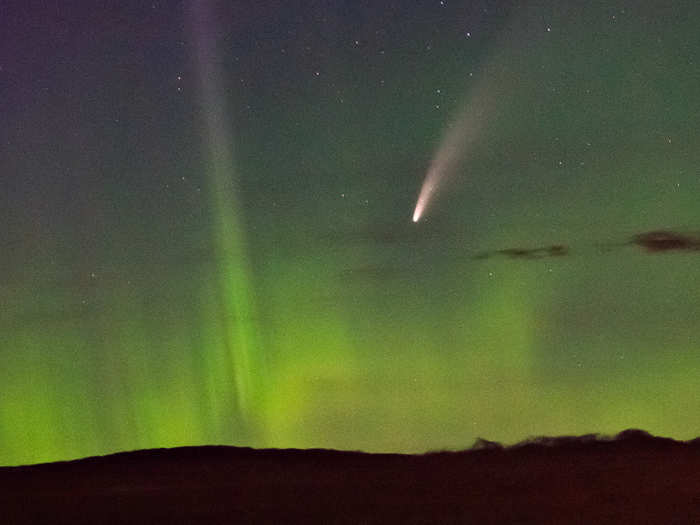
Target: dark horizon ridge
[(632, 477), (631, 436)]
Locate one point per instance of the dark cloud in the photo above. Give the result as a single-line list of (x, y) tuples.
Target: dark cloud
[(664, 241), (555, 250), (658, 241), (655, 241)]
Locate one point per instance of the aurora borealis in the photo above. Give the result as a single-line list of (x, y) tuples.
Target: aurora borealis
[(207, 238)]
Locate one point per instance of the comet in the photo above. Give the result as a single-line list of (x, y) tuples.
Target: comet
[(487, 95), (450, 154), (423, 197)]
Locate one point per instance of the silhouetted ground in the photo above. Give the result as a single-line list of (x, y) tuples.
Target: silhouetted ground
[(633, 478)]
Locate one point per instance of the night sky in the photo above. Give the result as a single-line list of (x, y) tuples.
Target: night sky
[(207, 231)]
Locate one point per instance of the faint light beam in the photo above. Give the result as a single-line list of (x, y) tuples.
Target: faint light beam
[(237, 342)]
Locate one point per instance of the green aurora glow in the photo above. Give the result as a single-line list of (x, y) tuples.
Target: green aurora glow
[(229, 258)]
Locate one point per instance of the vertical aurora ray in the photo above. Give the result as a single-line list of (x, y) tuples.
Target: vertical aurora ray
[(235, 344)]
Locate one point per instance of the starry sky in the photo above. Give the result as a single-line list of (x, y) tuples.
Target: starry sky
[(207, 238)]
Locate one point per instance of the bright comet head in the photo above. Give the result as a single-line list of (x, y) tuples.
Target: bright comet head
[(425, 193)]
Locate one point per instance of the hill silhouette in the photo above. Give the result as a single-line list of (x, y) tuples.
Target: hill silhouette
[(633, 477)]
